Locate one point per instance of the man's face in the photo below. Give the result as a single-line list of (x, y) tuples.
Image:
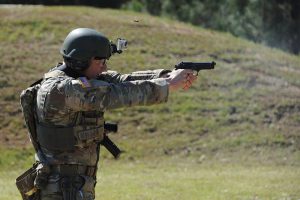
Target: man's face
[(96, 67)]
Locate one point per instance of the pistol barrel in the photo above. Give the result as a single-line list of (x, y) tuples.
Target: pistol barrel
[(196, 65)]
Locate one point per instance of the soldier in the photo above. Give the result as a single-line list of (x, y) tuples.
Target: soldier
[(68, 111)]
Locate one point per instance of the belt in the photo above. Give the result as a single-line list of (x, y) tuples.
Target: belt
[(73, 169)]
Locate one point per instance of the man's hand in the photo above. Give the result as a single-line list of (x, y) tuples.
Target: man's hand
[(181, 78)]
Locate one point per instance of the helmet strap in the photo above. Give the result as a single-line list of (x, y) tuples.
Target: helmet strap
[(69, 71), (77, 65)]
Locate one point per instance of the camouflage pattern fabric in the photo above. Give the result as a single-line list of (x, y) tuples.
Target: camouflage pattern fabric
[(115, 77), (63, 101)]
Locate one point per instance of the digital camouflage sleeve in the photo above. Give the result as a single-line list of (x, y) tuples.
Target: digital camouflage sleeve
[(115, 77), (61, 95)]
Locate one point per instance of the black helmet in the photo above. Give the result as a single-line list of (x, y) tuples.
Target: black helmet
[(84, 43)]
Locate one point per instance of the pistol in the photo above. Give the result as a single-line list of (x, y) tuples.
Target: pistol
[(196, 66)]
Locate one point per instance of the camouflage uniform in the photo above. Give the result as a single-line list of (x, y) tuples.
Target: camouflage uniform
[(70, 124)]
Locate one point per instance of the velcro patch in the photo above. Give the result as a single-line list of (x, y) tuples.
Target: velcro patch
[(84, 82)]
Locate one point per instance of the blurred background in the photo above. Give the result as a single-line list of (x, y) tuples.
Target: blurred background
[(234, 135), (274, 23)]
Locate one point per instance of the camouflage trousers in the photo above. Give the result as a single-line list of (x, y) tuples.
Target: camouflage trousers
[(69, 188)]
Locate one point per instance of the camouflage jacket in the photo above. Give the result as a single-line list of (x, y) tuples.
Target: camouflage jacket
[(68, 106)]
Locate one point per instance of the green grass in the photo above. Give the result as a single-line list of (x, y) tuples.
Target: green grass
[(177, 179)]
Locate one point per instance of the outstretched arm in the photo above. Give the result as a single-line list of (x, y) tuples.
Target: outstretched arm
[(115, 77)]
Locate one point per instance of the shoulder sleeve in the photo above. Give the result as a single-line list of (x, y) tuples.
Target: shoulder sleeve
[(115, 77), (100, 95)]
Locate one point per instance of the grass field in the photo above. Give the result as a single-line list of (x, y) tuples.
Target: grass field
[(234, 135), (178, 179)]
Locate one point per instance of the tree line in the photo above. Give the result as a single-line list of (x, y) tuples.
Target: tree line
[(275, 23), (96, 3)]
